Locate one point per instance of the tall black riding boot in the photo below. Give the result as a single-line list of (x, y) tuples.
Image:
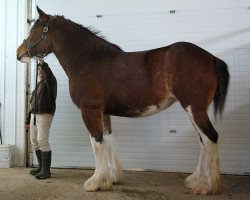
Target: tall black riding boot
[(39, 159), (46, 162)]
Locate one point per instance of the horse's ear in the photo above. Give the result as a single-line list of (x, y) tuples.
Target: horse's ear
[(42, 15)]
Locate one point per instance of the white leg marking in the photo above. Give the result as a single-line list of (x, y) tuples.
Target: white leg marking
[(114, 164), (101, 180), (193, 178), (209, 181)]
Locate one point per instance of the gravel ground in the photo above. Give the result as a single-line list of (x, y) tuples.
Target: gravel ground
[(17, 183)]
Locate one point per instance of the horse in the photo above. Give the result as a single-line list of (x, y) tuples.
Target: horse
[(106, 81)]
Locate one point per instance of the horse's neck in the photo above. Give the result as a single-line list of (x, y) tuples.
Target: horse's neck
[(70, 49), (66, 50)]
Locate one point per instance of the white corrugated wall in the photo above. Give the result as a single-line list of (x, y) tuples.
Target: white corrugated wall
[(12, 76), (166, 141)]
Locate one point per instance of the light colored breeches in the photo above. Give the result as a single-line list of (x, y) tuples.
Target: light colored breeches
[(39, 134)]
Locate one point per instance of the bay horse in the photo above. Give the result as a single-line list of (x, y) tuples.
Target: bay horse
[(104, 80)]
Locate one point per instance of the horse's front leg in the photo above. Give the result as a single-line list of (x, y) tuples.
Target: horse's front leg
[(101, 180), (114, 164)]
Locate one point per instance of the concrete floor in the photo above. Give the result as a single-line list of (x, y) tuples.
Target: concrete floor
[(17, 183)]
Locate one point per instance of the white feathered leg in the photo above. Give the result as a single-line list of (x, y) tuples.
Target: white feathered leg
[(193, 178), (209, 181), (101, 180), (114, 163), (211, 168)]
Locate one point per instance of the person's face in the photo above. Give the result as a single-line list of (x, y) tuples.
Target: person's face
[(40, 72)]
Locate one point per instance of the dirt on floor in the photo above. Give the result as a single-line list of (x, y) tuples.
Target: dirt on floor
[(18, 184)]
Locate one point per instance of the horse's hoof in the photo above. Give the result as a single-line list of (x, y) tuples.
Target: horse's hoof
[(200, 190), (88, 186), (204, 187), (189, 184), (117, 179), (191, 180), (95, 183), (117, 182)]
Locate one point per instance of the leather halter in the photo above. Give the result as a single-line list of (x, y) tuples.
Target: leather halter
[(29, 46)]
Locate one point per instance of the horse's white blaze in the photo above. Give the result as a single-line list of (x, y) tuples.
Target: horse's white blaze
[(102, 178), (209, 181), (164, 104)]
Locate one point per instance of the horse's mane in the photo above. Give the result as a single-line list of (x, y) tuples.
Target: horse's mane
[(90, 30)]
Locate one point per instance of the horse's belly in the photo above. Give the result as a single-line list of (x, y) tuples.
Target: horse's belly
[(153, 109), (124, 110)]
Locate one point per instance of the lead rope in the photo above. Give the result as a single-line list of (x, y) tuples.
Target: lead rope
[(36, 93)]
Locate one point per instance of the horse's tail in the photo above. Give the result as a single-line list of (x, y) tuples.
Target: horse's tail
[(222, 87)]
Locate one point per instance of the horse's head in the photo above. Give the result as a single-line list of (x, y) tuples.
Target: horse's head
[(38, 42)]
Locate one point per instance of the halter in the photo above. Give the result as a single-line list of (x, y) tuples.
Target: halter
[(42, 38)]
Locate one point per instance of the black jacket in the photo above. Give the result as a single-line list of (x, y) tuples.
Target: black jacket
[(45, 100)]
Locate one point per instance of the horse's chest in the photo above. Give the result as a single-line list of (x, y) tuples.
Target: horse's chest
[(74, 93)]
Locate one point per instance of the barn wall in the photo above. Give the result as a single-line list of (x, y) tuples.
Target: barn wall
[(12, 75)]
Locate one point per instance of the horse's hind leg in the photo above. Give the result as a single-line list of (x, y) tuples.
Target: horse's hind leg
[(206, 179), (192, 179), (101, 180), (114, 164)]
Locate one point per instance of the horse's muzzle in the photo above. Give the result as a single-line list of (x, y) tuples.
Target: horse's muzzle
[(21, 53), (18, 58)]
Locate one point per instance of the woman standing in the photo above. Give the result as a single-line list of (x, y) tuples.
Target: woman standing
[(42, 109)]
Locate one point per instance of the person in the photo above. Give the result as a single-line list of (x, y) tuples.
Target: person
[(39, 119)]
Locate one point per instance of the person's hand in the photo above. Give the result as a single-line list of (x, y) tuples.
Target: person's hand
[(41, 61), (27, 126)]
